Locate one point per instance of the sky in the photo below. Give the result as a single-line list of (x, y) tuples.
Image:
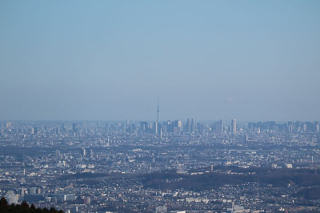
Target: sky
[(112, 60)]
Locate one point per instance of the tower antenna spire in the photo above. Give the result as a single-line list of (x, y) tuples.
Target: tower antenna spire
[(157, 121)]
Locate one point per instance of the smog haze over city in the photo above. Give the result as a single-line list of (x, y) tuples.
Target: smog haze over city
[(159, 106), (111, 60)]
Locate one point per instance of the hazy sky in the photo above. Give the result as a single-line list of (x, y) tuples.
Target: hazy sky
[(110, 60)]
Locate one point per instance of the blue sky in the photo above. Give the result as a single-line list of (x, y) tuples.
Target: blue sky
[(110, 60)]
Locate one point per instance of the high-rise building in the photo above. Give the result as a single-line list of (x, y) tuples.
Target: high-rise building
[(234, 126), (317, 127), (156, 128), (34, 131), (305, 127), (84, 152), (8, 125), (220, 127), (290, 126), (74, 127)]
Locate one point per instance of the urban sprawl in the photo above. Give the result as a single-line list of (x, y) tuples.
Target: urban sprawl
[(162, 166)]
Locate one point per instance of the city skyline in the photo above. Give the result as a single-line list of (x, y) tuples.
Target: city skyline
[(188, 167), (160, 106)]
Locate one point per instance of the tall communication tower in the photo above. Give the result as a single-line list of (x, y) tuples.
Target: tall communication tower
[(157, 121)]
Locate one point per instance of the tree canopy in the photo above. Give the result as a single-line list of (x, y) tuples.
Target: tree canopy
[(24, 207)]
